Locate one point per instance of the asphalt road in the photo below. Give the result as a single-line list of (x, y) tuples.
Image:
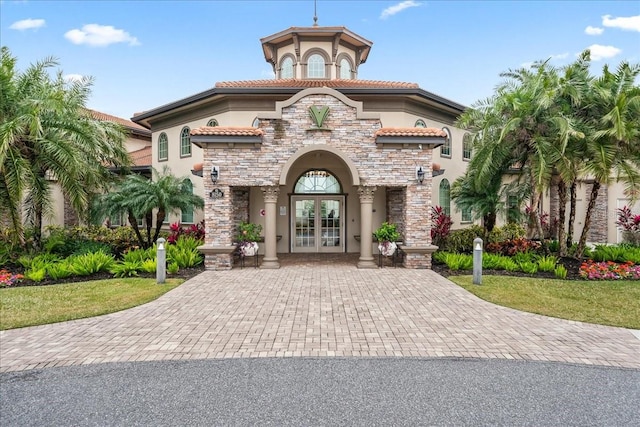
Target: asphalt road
[(302, 392)]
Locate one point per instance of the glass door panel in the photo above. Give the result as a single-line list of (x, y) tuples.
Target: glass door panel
[(317, 224), (304, 231)]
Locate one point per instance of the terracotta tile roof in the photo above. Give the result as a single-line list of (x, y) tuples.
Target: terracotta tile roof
[(141, 157), (227, 131), (411, 132), (124, 122), (339, 83)]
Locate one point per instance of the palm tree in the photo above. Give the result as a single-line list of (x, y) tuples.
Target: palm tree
[(139, 197), (47, 134), (612, 147)]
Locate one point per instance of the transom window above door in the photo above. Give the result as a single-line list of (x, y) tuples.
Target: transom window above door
[(317, 182)]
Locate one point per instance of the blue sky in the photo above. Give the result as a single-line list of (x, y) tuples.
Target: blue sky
[(143, 54)]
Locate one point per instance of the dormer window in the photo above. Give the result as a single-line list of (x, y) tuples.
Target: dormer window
[(286, 68), (315, 67)]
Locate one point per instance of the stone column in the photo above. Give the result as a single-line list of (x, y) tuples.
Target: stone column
[(366, 220), (270, 239)]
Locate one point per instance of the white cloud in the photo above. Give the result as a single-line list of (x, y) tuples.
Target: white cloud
[(593, 31), (560, 56), (629, 23), (73, 77), (392, 10), (27, 24), (100, 35), (599, 52)]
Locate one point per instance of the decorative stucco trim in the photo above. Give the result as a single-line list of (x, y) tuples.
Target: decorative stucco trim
[(355, 176), (277, 113), (430, 142), (227, 140)]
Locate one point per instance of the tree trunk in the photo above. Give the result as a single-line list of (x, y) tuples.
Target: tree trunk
[(489, 221), (562, 211), (134, 224), (149, 223), (587, 219), (573, 191), (15, 217), (160, 216), (37, 224)]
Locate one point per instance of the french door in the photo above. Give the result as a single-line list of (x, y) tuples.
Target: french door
[(317, 223)]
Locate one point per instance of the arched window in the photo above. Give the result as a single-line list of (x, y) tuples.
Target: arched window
[(345, 69), (212, 123), (163, 147), (187, 214), (315, 66), (445, 149), (185, 142), (256, 123), (318, 182), (444, 196), (420, 124), (466, 146), (286, 68)]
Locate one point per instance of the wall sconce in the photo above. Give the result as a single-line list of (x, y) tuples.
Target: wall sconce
[(215, 174), (419, 174)]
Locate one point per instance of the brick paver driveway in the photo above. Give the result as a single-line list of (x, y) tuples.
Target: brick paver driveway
[(327, 310)]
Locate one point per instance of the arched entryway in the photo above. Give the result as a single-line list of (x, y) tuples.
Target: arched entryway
[(317, 213)]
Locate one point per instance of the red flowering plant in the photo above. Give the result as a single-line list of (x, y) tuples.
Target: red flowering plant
[(440, 225), (629, 224), (9, 279), (194, 230), (609, 270)]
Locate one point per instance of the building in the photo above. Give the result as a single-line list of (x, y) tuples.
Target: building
[(316, 156)]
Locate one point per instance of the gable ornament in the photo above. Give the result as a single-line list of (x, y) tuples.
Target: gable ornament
[(318, 116)]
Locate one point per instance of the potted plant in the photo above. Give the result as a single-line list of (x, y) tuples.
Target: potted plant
[(248, 236), (386, 235)]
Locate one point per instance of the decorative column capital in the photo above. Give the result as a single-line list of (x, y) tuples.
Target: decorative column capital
[(270, 193), (366, 193)]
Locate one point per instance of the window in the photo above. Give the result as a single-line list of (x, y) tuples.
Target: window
[(185, 142), (445, 150), (317, 181), (466, 146), (345, 69), (315, 66), (513, 209), (187, 214), (286, 68), (420, 124), (212, 123), (256, 123), (466, 215), (163, 147), (444, 197)]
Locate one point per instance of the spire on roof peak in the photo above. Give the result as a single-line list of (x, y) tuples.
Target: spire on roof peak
[(315, 15)]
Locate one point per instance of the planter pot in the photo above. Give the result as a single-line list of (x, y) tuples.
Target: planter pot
[(387, 248), (249, 248)]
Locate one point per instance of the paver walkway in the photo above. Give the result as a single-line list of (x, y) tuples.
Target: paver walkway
[(321, 310)]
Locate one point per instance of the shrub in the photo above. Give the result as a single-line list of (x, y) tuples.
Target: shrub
[(492, 261), (609, 253), (529, 267), (36, 274), (507, 232), (139, 255), (197, 231), (91, 263), (509, 264), (248, 232), (458, 261), (9, 279), (554, 246), (524, 257), (629, 224), (188, 243), (126, 268), (173, 268), (547, 263), (560, 272), (148, 266), (461, 241), (59, 270), (513, 246), (440, 225)]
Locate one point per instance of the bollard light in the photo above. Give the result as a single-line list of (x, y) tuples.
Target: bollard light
[(161, 261), (477, 261)]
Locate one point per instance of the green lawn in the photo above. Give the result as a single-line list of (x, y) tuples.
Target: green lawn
[(615, 303), (39, 305)]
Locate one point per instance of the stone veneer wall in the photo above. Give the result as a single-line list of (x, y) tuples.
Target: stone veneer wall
[(261, 166), (598, 231), (395, 208), (70, 214), (240, 204)]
